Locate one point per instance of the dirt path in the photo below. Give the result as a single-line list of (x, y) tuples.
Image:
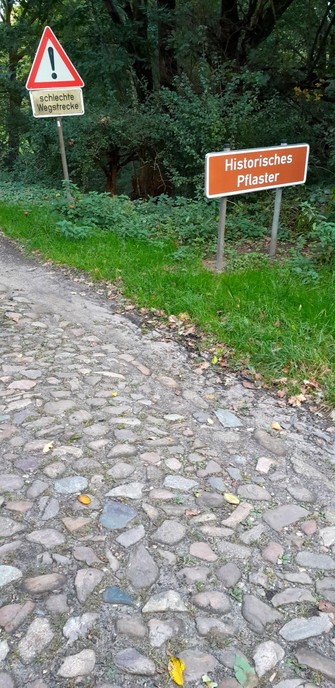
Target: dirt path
[(159, 562)]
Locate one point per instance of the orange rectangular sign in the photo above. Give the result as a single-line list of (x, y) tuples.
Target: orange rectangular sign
[(240, 171)]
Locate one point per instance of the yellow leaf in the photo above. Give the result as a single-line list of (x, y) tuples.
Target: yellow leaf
[(84, 499), (275, 425), (231, 499), (47, 447), (176, 668), (114, 394), (214, 360)]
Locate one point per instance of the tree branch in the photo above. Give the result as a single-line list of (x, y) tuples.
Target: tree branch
[(261, 25), (311, 64)]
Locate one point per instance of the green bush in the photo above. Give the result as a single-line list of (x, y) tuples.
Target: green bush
[(69, 230)]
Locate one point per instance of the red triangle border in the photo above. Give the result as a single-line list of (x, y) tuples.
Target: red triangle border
[(31, 84)]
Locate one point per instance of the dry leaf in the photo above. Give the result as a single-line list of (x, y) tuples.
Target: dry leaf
[(84, 499), (248, 385), (275, 426), (176, 668), (230, 498), (13, 316), (114, 394), (190, 512), (281, 393), (325, 606), (203, 366), (47, 447), (297, 400)]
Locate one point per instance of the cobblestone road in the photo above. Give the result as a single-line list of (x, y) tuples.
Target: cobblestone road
[(159, 562)]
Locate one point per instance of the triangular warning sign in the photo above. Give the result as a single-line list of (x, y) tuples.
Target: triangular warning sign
[(51, 67)]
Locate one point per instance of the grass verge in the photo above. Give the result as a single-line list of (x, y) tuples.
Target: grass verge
[(273, 323)]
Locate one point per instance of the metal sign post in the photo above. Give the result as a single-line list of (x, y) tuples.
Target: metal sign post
[(222, 227), (63, 156), (275, 220)]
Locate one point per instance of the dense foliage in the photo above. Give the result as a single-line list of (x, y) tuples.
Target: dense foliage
[(167, 81)]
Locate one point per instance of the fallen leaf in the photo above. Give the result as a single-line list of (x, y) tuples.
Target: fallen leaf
[(325, 606), (84, 499), (231, 499), (312, 383), (47, 447), (114, 394), (281, 393), (297, 400), (190, 512), (176, 668), (214, 360), (244, 673), (275, 426), (13, 316), (203, 366), (208, 682), (248, 385)]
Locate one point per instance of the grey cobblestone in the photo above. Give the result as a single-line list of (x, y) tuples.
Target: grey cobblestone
[(158, 561)]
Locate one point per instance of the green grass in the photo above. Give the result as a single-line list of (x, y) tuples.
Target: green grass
[(273, 322)]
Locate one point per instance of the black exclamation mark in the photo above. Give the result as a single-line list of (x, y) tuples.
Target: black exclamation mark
[(52, 62)]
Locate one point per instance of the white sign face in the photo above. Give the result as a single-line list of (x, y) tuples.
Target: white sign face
[(57, 103), (52, 68)]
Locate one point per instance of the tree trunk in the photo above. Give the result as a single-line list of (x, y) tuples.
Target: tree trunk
[(149, 179), (167, 61), (111, 171), (229, 29), (239, 35), (14, 105), (137, 42)]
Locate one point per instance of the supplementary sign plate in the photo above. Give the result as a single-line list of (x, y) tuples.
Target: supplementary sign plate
[(240, 171), (52, 68), (57, 103)]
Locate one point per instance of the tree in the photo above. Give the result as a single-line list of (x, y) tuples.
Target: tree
[(158, 72)]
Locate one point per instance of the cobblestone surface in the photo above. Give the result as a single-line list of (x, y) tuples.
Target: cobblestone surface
[(159, 562)]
